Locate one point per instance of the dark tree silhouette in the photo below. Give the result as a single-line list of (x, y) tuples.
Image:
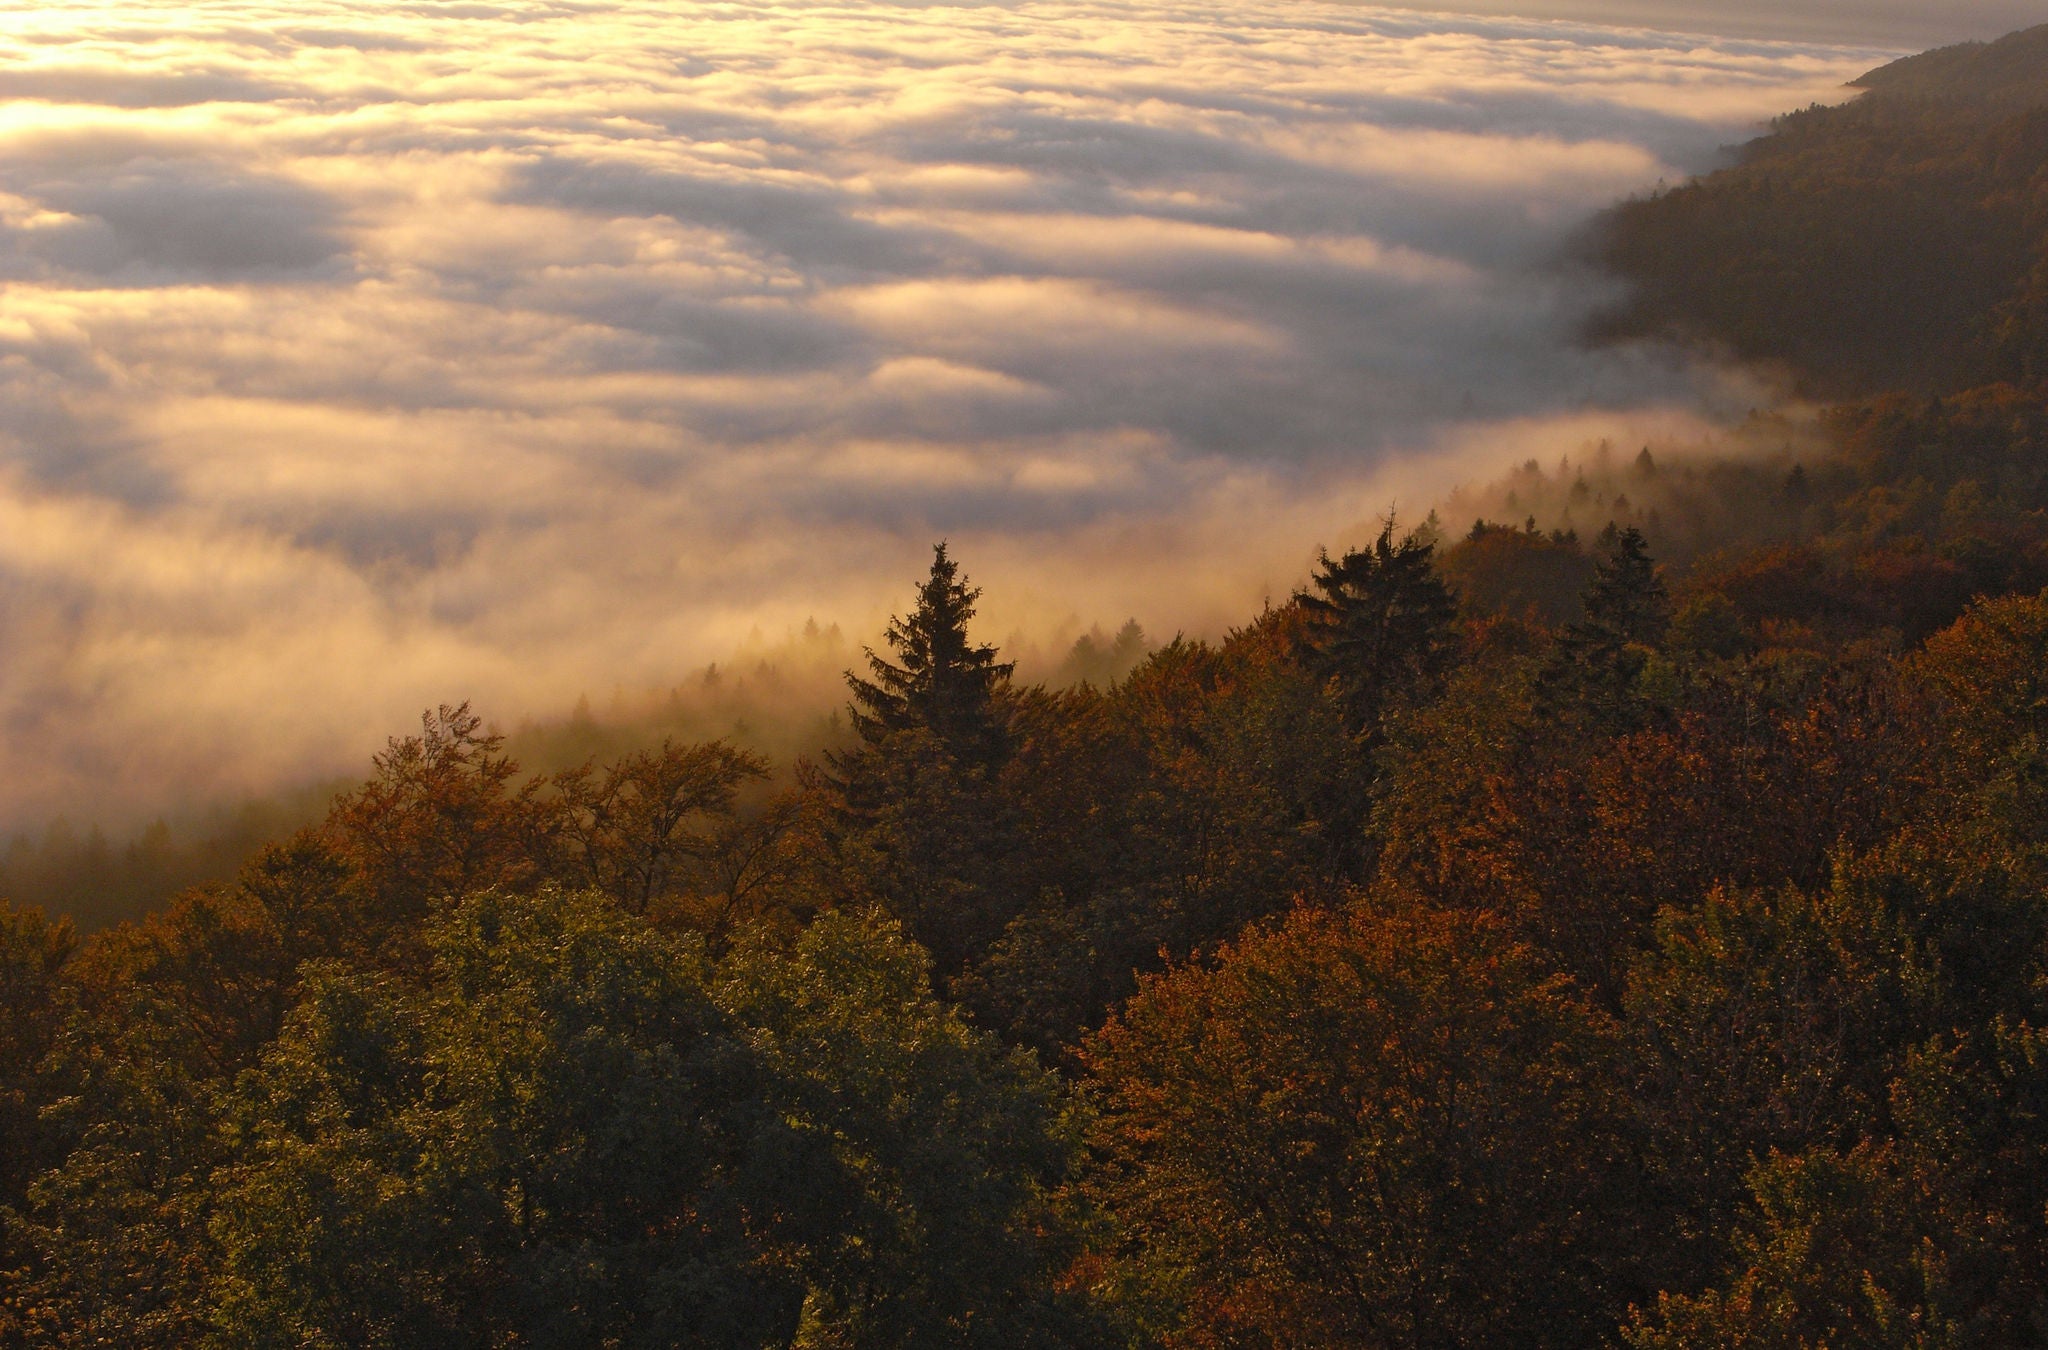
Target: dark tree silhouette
[(1598, 666), (941, 681), (922, 826), (1381, 628)]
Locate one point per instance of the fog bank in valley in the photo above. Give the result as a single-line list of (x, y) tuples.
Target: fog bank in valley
[(354, 361)]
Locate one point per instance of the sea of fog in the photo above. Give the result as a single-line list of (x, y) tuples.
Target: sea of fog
[(356, 357)]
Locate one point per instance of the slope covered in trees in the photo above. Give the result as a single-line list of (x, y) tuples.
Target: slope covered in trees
[(1621, 922), (1899, 241), (1399, 970)]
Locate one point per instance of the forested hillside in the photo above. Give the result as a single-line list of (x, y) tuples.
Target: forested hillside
[(1618, 919), (1899, 241)]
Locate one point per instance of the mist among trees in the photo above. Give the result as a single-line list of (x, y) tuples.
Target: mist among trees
[(1613, 911)]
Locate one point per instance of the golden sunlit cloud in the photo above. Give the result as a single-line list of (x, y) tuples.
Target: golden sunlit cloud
[(359, 357)]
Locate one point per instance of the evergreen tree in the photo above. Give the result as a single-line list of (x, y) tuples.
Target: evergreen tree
[(922, 826), (1380, 628), (940, 682), (1627, 602), (1377, 636), (1600, 659)]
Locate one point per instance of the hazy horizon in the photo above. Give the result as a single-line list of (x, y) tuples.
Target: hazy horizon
[(1884, 23), (356, 361)]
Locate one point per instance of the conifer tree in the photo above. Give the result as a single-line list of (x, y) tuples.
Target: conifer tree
[(940, 682), (923, 828), (1627, 602), (1601, 657), (1380, 628)]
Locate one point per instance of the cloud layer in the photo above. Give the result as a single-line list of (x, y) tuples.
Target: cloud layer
[(358, 357)]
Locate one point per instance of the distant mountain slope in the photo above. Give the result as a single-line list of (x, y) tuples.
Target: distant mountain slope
[(1896, 242), (2011, 71)]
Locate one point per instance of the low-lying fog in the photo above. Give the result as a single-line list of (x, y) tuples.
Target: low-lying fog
[(357, 359)]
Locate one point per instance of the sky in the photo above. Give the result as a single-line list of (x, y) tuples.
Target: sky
[(359, 357), (1914, 24)]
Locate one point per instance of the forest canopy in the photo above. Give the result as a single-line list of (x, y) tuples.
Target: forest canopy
[(1628, 928), (1895, 242)]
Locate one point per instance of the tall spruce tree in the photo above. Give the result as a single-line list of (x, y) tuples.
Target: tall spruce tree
[(1599, 662), (1379, 637), (940, 682), (1627, 602), (1380, 628), (923, 827)]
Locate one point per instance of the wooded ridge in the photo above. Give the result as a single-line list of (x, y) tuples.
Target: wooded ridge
[(1617, 919)]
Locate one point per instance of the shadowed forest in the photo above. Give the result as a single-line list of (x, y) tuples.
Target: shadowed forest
[(1899, 241), (1612, 911)]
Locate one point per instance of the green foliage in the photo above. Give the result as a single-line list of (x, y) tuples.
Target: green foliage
[(1766, 1023), (548, 1144), (113, 1235), (1835, 1257), (582, 1134), (1931, 1239), (923, 1161)]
